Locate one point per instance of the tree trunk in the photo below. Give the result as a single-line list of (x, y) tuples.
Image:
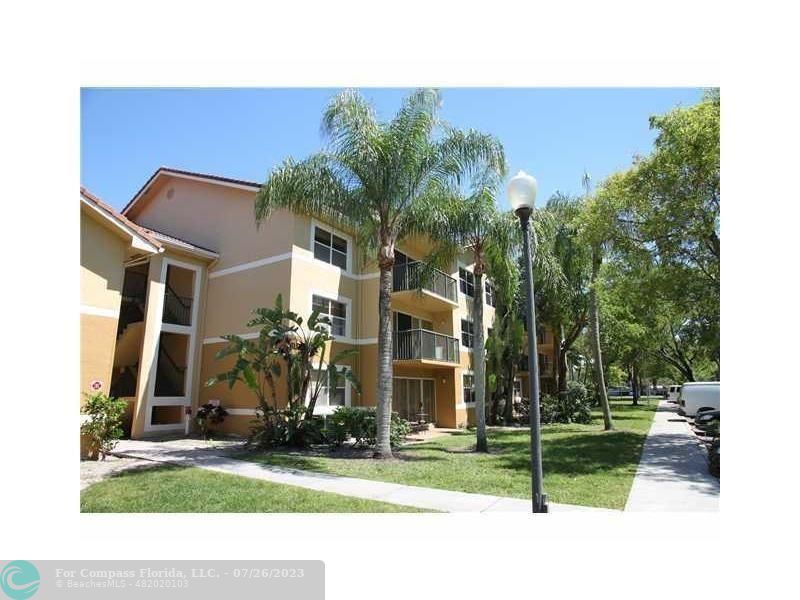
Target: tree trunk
[(383, 447), (594, 318), (508, 407), (495, 405), (636, 384), (479, 366), (562, 367)]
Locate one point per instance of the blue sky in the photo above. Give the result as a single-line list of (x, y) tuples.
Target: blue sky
[(554, 134)]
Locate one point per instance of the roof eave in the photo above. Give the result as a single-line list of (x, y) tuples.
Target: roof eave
[(137, 240), (190, 175)]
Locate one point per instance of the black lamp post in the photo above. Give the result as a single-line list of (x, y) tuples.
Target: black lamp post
[(522, 194)]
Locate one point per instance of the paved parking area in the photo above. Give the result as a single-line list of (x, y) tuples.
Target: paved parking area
[(673, 473)]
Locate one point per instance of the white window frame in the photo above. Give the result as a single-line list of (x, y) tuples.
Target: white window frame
[(327, 409), (458, 277), (488, 283), (333, 231), (463, 388), (461, 334), (348, 305)]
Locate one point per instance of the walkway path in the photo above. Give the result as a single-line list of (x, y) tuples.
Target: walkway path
[(196, 453), (673, 472)]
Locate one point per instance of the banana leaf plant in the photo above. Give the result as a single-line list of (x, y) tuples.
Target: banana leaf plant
[(286, 344)]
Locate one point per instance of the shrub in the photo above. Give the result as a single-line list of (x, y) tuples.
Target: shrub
[(572, 406), (210, 414), (285, 427), (522, 409), (104, 425), (361, 424)]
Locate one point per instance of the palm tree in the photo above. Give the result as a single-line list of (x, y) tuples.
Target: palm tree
[(474, 222), (380, 181)]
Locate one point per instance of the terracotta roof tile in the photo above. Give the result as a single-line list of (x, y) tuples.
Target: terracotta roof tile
[(141, 231), (176, 240)]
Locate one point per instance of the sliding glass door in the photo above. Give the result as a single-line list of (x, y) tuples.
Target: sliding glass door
[(414, 399)]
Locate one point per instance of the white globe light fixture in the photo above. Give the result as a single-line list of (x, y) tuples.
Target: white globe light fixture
[(522, 191)]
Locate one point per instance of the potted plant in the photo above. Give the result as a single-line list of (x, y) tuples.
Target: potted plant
[(211, 413)]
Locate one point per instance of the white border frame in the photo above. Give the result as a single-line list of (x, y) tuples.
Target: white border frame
[(191, 331)]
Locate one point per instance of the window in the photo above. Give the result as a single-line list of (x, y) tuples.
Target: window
[(466, 282), (517, 388), (336, 311), (333, 392), (330, 248), (469, 389), (545, 366), (491, 295), (467, 333)]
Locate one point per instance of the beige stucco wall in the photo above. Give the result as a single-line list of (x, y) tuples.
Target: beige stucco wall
[(102, 256), (216, 217), (221, 218), (98, 336)]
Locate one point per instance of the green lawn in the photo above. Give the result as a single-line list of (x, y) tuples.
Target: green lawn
[(177, 489), (582, 463)]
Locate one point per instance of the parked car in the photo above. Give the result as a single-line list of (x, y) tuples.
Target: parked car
[(673, 392), (706, 418), (620, 391), (698, 395), (659, 390)]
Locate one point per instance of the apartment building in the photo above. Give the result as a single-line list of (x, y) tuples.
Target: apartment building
[(200, 265)]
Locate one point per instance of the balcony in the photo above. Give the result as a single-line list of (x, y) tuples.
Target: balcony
[(426, 347), (436, 292), (545, 365)]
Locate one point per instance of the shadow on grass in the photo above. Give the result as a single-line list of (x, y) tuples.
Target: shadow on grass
[(141, 469), (577, 454)]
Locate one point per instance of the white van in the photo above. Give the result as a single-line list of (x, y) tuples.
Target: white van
[(673, 393), (698, 395)]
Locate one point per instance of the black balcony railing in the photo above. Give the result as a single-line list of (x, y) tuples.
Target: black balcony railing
[(421, 344), (177, 309), (409, 276), (135, 285)]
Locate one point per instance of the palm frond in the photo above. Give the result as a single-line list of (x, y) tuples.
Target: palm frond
[(462, 155), (316, 186)]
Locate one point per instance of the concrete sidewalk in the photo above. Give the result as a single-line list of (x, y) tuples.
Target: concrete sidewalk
[(197, 453), (673, 471)]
